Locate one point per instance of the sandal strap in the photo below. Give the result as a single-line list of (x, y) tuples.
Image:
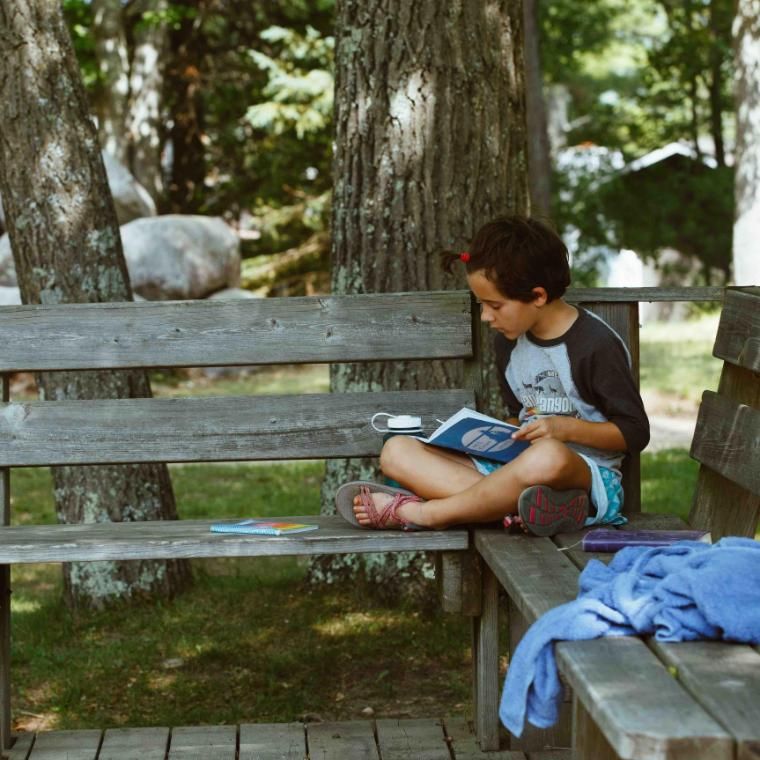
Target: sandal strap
[(380, 518)]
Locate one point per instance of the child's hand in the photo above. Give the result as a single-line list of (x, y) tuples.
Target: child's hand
[(556, 427)]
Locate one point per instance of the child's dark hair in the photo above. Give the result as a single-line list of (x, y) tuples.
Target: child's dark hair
[(517, 254)]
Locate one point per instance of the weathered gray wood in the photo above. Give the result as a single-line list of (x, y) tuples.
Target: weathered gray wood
[(460, 736), (459, 582), (486, 664), (417, 739), (532, 738), (349, 739), (272, 741), (71, 745), (207, 333), (532, 571), (134, 744), (637, 704), (193, 538), (203, 743), (21, 747), (553, 754), (589, 743), (727, 440), (725, 679), (578, 295), (207, 429), (738, 337)]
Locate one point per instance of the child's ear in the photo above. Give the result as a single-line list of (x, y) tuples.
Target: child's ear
[(540, 296)]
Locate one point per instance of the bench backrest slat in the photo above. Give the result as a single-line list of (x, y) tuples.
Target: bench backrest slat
[(727, 436), (242, 332), (208, 429)]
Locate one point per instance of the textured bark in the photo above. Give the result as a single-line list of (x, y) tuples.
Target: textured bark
[(746, 259), (113, 68), (66, 246), (143, 126), (430, 144), (539, 154)]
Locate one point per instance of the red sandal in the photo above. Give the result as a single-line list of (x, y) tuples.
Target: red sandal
[(379, 518)]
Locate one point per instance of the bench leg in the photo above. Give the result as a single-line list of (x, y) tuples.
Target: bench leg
[(590, 742), (485, 660), (536, 739), (5, 658)]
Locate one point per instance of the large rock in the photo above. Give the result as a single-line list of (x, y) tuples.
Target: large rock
[(9, 296), (7, 267), (178, 257), (131, 199)]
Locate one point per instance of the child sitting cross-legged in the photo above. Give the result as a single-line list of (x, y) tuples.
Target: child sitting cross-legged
[(566, 381)]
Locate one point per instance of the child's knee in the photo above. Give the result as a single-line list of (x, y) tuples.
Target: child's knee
[(544, 462), (397, 451)]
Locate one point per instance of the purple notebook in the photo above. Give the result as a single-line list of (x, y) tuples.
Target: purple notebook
[(612, 539)]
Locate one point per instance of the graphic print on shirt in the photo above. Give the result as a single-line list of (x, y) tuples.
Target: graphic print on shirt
[(545, 395)]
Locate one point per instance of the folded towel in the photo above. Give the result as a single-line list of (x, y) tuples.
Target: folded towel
[(686, 591)]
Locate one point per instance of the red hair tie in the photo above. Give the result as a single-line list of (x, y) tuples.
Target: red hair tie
[(465, 256)]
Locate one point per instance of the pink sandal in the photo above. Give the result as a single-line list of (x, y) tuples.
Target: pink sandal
[(379, 518)]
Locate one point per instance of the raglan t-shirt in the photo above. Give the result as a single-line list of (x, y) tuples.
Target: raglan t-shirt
[(585, 373)]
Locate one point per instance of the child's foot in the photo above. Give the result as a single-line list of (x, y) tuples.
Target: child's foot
[(372, 505), (374, 509), (546, 512)]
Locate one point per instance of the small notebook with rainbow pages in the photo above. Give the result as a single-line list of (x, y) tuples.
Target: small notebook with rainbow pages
[(263, 527), (612, 539)]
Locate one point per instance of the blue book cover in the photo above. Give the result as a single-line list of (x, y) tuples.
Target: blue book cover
[(478, 435), (262, 527)]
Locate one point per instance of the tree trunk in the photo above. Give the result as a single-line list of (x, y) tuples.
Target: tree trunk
[(539, 154), (430, 144), (143, 125), (747, 183), (66, 247), (183, 85), (113, 70)]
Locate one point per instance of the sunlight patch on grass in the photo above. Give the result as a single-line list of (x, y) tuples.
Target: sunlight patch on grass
[(356, 622)]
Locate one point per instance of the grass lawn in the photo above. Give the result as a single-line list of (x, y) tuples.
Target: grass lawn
[(250, 642)]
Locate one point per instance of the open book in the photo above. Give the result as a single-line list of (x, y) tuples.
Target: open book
[(478, 435)]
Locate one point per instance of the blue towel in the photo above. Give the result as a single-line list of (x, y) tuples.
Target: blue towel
[(686, 591)]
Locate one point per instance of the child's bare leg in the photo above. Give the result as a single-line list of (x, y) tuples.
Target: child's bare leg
[(425, 470), (546, 462)]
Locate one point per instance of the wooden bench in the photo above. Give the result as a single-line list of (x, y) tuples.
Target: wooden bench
[(422, 326), (629, 697)]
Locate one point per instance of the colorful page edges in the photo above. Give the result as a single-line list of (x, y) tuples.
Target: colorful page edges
[(263, 527)]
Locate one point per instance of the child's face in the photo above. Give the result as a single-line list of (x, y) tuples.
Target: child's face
[(508, 316)]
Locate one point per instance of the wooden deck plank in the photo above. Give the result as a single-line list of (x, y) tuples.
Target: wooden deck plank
[(642, 710), (343, 739), (725, 679), (134, 744), (464, 744), (66, 745), (203, 743), (192, 538), (551, 754), (272, 741), (420, 739)]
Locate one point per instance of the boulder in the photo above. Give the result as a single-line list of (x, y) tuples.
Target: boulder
[(177, 257), (7, 267), (9, 296), (131, 199)]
